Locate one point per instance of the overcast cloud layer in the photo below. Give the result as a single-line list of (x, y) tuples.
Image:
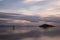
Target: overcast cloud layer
[(33, 12), (20, 19), (31, 7)]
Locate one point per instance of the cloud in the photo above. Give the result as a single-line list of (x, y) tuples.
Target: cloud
[(52, 19), (1, 0), (42, 8), (21, 16), (7, 11), (31, 11), (1, 21), (13, 18), (19, 22), (31, 1)]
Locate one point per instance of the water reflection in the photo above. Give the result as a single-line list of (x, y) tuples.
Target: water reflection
[(30, 33)]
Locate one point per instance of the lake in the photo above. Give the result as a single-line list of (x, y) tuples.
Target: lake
[(29, 33)]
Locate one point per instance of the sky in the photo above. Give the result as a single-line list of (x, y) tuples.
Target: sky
[(30, 12)]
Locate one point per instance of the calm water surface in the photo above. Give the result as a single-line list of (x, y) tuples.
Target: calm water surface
[(28, 33)]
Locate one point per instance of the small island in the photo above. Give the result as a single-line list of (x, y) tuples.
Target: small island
[(46, 26)]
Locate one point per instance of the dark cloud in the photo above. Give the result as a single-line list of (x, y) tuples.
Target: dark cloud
[(7, 15), (3, 22), (52, 19), (19, 17), (36, 19)]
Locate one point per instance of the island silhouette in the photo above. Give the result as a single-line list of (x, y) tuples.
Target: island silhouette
[(46, 26)]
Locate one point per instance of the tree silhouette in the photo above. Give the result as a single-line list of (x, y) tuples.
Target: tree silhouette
[(46, 26)]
